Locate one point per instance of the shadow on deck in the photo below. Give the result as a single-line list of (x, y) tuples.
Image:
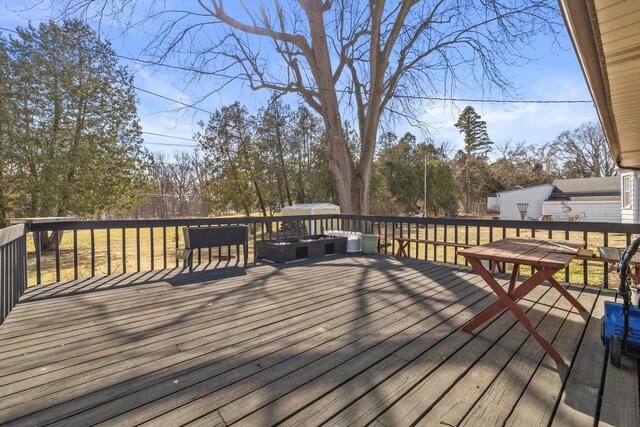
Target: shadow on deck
[(343, 341)]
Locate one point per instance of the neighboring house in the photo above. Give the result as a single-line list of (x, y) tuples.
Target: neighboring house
[(630, 196), (590, 199)]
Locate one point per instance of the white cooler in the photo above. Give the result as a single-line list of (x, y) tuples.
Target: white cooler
[(353, 239)]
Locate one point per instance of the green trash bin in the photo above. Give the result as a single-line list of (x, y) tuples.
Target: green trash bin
[(369, 243)]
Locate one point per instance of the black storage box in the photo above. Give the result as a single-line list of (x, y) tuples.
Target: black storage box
[(286, 250)]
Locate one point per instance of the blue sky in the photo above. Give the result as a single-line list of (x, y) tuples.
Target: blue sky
[(554, 75)]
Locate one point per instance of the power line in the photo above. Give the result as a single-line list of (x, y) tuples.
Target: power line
[(345, 91), (168, 144), (168, 136), (172, 100)]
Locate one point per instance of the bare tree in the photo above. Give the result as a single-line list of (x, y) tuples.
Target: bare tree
[(362, 61), (582, 152), (178, 181), (519, 164)]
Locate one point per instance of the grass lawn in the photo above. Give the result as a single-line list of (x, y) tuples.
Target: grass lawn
[(595, 270), (164, 253)]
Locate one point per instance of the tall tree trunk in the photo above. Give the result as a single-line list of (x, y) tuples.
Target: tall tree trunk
[(341, 165), (263, 208), (341, 160), (280, 192), (283, 168), (300, 193)]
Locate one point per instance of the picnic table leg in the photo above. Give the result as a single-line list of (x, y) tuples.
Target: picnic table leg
[(566, 294), (514, 277), (515, 309), (635, 276), (401, 252), (516, 294)]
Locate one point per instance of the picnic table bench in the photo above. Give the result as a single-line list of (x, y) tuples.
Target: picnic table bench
[(403, 243), (214, 237), (605, 255)]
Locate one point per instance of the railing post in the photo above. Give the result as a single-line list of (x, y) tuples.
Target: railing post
[(605, 266), (13, 267), (93, 253), (75, 254), (56, 245), (108, 251), (38, 245)]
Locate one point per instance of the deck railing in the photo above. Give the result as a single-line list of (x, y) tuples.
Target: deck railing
[(83, 249), (13, 267), (96, 248), (448, 233)]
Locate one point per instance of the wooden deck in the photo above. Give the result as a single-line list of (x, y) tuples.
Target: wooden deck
[(342, 341)]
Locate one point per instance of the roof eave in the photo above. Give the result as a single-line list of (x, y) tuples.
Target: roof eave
[(581, 22)]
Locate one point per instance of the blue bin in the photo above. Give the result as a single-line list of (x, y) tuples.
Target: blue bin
[(614, 325)]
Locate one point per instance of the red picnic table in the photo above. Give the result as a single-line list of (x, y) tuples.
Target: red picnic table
[(546, 256)]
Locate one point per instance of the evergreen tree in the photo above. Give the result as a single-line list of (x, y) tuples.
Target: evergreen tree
[(227, 143), (5, 123), (69, 114), (273, 137), (476, 138), (471, 162), (306, 137)]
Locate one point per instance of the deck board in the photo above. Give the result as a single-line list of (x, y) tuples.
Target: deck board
[(538, 401), (579, 400), (452, 406), (343, 340), (619, 409), (416, 404)]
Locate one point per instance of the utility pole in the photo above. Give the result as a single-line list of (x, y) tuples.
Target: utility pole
[(424, 199)]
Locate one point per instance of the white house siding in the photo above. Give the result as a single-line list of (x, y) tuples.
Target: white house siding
[(631, 213), (594, 211), (535, 196)]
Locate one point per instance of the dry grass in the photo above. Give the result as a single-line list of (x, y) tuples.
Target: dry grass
[(576, 272), (164, 252)]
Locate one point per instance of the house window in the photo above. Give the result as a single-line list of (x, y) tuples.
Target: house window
[(626, 191)]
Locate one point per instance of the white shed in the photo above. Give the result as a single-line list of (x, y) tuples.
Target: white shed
[(311, 209), (493, 204), (534, 196)]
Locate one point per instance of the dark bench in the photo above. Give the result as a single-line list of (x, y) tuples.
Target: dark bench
[(214, 237)]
